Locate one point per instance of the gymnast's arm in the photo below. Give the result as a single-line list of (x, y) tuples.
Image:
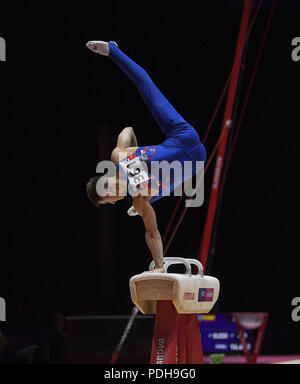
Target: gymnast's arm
[(126, 140), (153, 238)]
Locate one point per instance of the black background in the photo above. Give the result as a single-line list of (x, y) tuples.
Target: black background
[(60, 103)]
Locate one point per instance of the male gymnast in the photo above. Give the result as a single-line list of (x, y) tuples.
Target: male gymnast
[(182, 144)]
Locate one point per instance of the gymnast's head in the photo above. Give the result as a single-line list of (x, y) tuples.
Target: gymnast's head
[(108, 190)]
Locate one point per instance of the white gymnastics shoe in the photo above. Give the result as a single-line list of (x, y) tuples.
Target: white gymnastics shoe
[(100, 47), (132, 212)]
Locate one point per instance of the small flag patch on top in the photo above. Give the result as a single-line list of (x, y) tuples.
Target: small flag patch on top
[(205, 294), (132, 157)]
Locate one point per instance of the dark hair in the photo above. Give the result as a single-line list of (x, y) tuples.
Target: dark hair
[(92, 191)]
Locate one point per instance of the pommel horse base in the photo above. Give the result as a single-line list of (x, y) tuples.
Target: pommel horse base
[(176, 299)]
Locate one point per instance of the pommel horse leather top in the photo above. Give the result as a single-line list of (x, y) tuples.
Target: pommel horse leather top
[(189, 293)]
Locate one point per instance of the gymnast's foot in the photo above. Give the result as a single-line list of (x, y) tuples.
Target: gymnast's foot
[(155, 270), (100, 47)]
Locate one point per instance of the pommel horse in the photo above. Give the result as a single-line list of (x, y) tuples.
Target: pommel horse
[(176, 299)]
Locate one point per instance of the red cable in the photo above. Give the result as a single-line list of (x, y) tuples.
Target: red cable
[(217, 109), (262, 44), (172, 218), (245, 104), (229, 77), (186, 208), (203, 142), (224, 131), (204, 248)]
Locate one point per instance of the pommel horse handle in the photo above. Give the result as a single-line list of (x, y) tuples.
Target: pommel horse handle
[(176, 299), (180, 260)]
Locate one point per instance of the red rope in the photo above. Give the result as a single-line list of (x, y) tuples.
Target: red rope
[(172, 218), (221, 98), (260, 51), (217, 109), (186, 208), (229, 77), (230, 104), (204, 248)]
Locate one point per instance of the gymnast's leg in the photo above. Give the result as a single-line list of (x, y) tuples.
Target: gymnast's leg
[(163, 112)]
